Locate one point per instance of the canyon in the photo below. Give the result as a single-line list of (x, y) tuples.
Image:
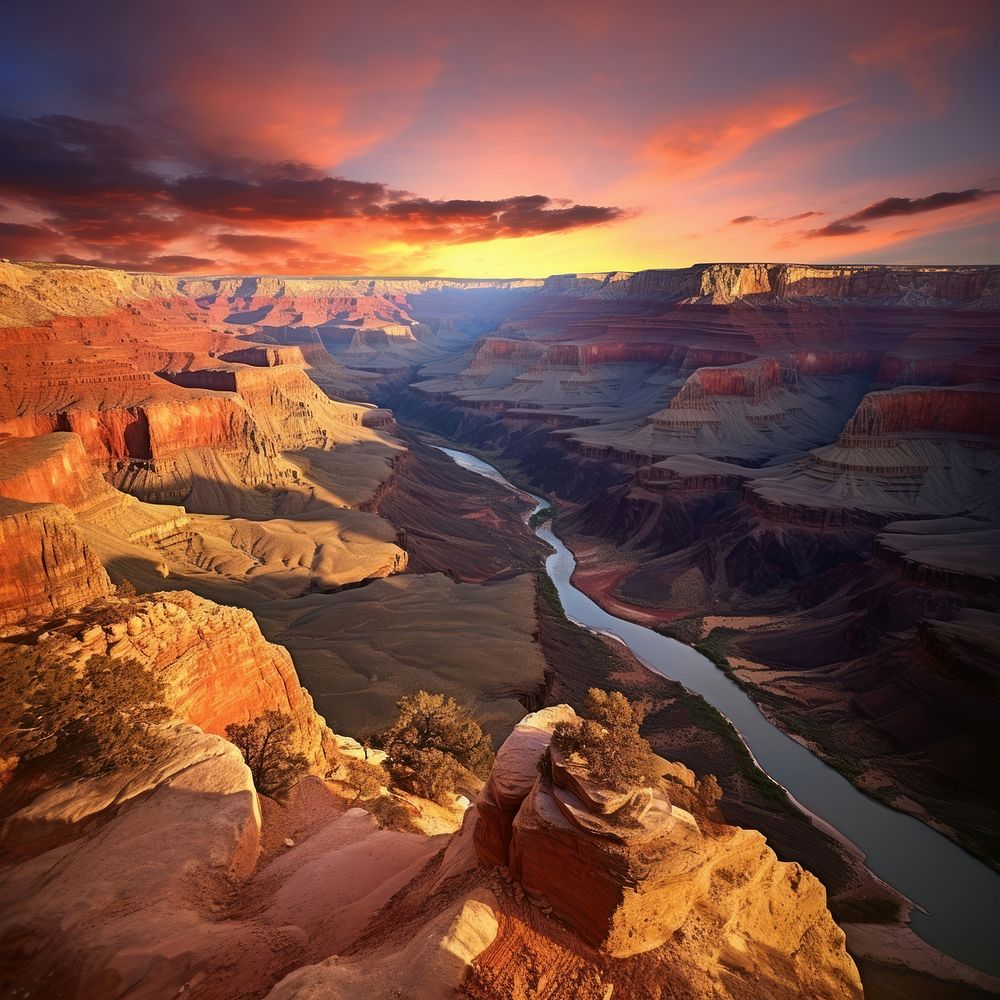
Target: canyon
[(233, 481)]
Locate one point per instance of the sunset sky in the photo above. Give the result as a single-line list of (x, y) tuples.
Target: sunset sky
[(320, 137)]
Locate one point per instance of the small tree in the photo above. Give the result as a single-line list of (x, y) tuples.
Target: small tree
[(433, 775), (268, 747), (98, 720), (37, 697), (121, 701), (432, 742), (608, 740), (708, 793), (365, 778)]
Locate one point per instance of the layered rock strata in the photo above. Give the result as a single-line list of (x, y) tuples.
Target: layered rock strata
[(633, 874)]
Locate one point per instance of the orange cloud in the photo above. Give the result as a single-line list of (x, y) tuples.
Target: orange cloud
[(716, 136)]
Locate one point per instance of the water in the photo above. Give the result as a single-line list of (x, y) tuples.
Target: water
[(958, 897)]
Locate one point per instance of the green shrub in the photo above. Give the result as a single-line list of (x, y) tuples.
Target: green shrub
[(431, 743), (93, 722), (607, 738)]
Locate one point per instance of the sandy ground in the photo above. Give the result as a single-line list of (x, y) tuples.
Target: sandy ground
[(358, 651)]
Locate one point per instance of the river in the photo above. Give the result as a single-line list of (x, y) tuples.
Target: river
[(958, 897)]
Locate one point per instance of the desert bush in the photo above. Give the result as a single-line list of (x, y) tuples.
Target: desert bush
[(365, 778), (121, 700), (607, 738), (268, 747), (94, 721), (431, 774), (126, 589), (431, 743), (392, 814)]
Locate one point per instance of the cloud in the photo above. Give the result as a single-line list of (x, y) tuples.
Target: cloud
[(291, 199), (796, 218), (742, 220), (108, 193), (19, 240), (888, 208), (715, 136), (175, 262), (919, 53), (841, 227), (256, 243), (464, 221)]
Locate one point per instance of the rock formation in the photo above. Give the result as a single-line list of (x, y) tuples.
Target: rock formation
[(48, 567), (635, 875), (775, 443), (217, 666)]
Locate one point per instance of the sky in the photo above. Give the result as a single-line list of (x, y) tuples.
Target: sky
[(492, 140)]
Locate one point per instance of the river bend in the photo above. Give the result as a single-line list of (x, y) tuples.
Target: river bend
[(958, 897)]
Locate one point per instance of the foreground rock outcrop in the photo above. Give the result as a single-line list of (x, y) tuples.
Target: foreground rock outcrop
[(635, 875), (119, 911), (217, 666)]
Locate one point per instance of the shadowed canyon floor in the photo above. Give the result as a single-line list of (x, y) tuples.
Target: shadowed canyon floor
[(793, 467)]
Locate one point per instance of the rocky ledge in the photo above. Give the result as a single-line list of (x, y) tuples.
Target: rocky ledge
[(633, 873)]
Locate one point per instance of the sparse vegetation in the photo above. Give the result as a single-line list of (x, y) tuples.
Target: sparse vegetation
[(609, 741), (268, 747), (365, 778), (392, 814), (432, 742), (93, 721), (126, 589)]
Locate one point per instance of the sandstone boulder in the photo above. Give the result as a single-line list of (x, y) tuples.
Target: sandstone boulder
[(121, 910), (512, 778), (431, 964)]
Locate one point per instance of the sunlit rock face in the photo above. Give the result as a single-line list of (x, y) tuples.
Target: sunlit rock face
[(633, 874), (216, 664), (48, 566)]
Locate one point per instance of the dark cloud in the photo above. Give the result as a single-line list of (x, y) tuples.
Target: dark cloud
[(60, 157), (467, 221), (743, 220), (285, 199), (121, 195), (796, 218), (891, 207), (255, 243), (842, 227), (888, 207), (18, 240)]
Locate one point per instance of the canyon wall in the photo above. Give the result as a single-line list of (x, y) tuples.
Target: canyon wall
[(812, 450), (48, 567)]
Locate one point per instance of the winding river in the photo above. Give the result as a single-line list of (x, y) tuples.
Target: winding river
[(957, 897)]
